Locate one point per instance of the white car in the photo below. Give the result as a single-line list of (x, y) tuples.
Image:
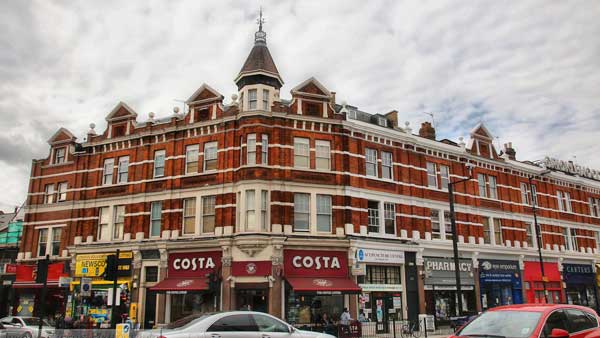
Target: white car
[(26, 327), (235, 324)]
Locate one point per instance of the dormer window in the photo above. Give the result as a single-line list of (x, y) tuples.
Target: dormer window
[(252, 100), (265, 99), (351, 115), (59, 155), (382, 121)]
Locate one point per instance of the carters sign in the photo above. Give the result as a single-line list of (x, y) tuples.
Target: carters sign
[(193, 264), (308, 263)]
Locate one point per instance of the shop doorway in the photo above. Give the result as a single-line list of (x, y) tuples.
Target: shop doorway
[(150, 310), (252, 299), (380, 308)]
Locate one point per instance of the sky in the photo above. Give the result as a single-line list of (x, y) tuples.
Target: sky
[(530, 70)]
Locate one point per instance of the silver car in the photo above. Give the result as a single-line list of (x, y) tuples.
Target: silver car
[(25, 327), (235, 324)]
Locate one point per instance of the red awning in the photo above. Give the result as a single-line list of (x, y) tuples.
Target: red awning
[(181, 284), (323, 285)]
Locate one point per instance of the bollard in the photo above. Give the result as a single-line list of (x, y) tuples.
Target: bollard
[(425, 326), (394, 325)]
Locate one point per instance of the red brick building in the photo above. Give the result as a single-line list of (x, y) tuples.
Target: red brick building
[(301, 206)]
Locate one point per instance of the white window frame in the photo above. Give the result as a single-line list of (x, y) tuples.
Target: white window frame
[(153, 206), (60, 159), (371, 162), (118, 226), (387, 164), (301, 151), (530, 233), (191, 157), (382, 121), (594, 204), (103, 233), (208, 201), (374, 218), (265, 99), (564, 201), (434, 216), (325, 210), (211, 153), (123, 169), (108, 171), (264, 148), (185, 216), (572, 244), (49, 243), (525, 194), (322, 154), (159, 163), (487, 186), (497, 226), (438, 176), (61, 193), (351, 115), (252, 99), (250, 208), (49, 194), (264, 210), (251, 149), (488, 227), (389, 213), (300, 211), (40, 242)]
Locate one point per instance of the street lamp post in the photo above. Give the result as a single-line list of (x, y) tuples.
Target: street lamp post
[(455, 237), (538, 233)]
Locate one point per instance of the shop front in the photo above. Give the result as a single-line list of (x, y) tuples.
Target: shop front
[(318, 284), (580, 286), (381, 284), (192, 284), (441, 297), (499, 283), (92, 294), (28, 291), (252, 285), (534, 283)]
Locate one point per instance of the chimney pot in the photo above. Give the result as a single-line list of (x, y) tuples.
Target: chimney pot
[(427, 131)]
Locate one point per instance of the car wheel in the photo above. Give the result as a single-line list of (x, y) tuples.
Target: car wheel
[(26, 335)]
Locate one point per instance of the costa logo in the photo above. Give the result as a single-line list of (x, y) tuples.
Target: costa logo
[(184, 283), (318, 262), (193, 264), (322, 282), (251, 268)]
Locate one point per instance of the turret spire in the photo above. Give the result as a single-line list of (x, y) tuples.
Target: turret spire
[(260, 37)]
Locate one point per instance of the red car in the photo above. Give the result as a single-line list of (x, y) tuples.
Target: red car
[(533, 321)]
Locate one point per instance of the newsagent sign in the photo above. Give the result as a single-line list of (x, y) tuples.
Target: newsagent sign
[(194, 264), (440, 271), (308, 263)]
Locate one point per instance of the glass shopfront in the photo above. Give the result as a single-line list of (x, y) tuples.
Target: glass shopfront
[(580, 287), (441, 296), (499, 283)]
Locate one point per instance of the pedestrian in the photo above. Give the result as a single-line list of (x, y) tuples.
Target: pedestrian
[(361, 317), (345, 319)]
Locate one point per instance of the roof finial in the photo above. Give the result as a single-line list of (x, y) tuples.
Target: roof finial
[(260, 36)]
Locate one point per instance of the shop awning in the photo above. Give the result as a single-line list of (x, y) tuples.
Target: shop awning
[(323, 285), (34, 285), (181, 285)]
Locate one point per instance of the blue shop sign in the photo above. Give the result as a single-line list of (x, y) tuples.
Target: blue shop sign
[(578, 274), (496, 271)]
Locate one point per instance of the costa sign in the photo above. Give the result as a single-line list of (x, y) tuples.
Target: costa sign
[(306, 263), (193, 264)]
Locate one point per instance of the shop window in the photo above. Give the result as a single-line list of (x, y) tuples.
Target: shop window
[(265, 149), (118, 221), (438, 176), (250, 209), (49, 194), (189, 216), (103, 224), (123, 169), (324, 213), (159, 163), (191, 159), (265, 99), (264, 203), (59, 155), (373, 216), (208, 214), (389, 215), (251, 149), (107, 174), (371, 162), (210, 156), (303, 308), (155, 219), (564, 201), (383, 274), (594, 206), (498, 232), (487, 186), (301, 212), (252, 100), (301, 152), (234, 323), (323, 154), (62, 191), (386, 165), (151, 274)]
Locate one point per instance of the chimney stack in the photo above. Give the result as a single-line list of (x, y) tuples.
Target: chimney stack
[(393, 117), (427, 131), (510, 151), (332, 97)]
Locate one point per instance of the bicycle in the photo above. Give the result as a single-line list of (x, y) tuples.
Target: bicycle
[(411, 329)]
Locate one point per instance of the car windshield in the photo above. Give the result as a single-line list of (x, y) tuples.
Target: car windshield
[(186, 321), (509, 324), (33, 321)]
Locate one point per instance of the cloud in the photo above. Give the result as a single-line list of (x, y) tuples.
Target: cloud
[(530, 70)]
